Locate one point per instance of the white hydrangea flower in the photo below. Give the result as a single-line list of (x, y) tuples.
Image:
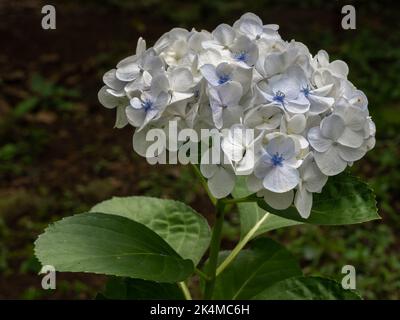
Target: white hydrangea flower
[(311, 180), (285, 91), (307, 120), (277, 167), (148, 107), (224, 102), (221, 177), (331, 155), (241, 148)]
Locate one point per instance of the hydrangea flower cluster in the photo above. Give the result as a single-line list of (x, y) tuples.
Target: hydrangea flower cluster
[(310, 122)]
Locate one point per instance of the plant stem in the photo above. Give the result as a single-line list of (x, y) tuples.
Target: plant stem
[(204, 184), (240, 245), (249, 198), (185, 290), (201, 274), (214, 250)]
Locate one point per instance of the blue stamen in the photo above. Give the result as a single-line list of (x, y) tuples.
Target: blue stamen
[(241, 56), (279, 97), (223, 78), (277, 160), (147, 105), (306, 91)]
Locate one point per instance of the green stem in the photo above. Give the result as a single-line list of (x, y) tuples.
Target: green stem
[(201, 274), (185, 290), (204, 183), (214, 250), (240, 245), (249, 198)]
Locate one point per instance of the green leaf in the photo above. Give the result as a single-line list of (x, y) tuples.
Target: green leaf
[(41, 86), (25, 106), (255, 269), (344, 200), (136, 289), (178, 224), (306, 288), (112, 245), (250, 213)]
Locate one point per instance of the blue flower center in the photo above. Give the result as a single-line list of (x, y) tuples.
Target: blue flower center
[(277, 160), (279, 97), (147, 105), (223, 78), (241, 56), (306, 91)]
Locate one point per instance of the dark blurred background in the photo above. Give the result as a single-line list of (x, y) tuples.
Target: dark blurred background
[(59, 153)]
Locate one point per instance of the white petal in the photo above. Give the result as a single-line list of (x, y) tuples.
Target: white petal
[(232, 146), (159, 83), (281, 179), (140, 144), (181, 79), (161, 101), (278, 201), (135, 116), (208, 170), (339, 68), (313, 179), (111, 80), (253, 183), (300, 142), (329, 162), (350, 138), (263, 166), (140, 46), (251, 28), (246, 165), (217, 114), (320, 104), (282, 146), (322, 91), (180, 96), (224, 34), (351, 154), (297, 106), (288, 86), (317, 141), (121, 119), (323, 58), (303, 202), (297, 124), (136, 103), (107, 100), (128, 72), (222, 183), (230, 93), (151, 62), (231, 115), (115, 93), (152, 114), (210, 57), (209, 73), (332, 127), (224, 69)]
